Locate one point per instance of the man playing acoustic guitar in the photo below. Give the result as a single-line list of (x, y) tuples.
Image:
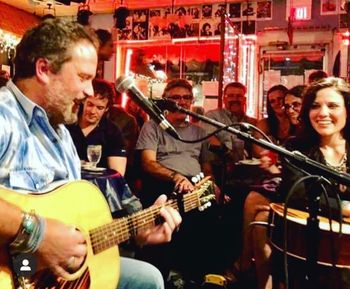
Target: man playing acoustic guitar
[(54, 67)]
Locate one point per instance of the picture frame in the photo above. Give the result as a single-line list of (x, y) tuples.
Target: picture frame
[(329, 7), (264, 10)]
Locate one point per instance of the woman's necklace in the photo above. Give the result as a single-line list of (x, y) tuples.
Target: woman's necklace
[(340, 167)]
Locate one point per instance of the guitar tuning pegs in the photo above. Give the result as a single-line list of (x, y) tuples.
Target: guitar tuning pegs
[(204, 206), (201, 175), (194, 180)]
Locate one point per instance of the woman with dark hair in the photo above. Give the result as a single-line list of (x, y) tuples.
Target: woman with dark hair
[(292, 106), (276, 125), (324, 136)]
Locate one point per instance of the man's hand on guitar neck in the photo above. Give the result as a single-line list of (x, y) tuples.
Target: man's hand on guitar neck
[(62, 250), (182, 184), (161, 233)]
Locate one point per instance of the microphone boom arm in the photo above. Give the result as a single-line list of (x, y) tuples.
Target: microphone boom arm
[(297, 158)]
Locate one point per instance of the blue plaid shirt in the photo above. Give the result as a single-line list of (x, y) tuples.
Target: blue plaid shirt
[(33, 155)]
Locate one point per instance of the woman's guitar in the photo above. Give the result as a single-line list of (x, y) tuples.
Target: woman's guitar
[(333, 248), (82, 205)]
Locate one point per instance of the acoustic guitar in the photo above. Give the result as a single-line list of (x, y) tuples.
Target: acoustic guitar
[(82, 205), (332, 248)]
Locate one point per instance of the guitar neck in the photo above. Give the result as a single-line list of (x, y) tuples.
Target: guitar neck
[(121, 230)]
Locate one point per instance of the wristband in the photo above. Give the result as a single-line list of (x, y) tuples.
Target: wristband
[(30, 234)]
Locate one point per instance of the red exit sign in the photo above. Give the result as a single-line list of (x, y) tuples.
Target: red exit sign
[(300, 13), (299, 9)]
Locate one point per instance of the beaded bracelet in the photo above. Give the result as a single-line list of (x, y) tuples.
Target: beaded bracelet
[(30, 234)]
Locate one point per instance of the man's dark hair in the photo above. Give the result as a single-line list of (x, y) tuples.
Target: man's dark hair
[(297, 91), (104, 89), (317, 75), (52, 39), (236, 85), (103, 36), (179, 82)]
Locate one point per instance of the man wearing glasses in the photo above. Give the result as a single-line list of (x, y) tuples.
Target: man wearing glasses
[(169, 161), (168, 166)]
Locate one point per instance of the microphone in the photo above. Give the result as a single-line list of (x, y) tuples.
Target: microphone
[(126, 84), (166, 104)]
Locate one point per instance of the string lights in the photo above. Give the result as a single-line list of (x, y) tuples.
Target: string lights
[(239, 61), (8, 42), (230, 53)]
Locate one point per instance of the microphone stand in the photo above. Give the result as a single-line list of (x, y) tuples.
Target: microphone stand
[(299, 160)]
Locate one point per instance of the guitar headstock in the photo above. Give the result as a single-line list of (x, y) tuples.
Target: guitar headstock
[(201, 196)]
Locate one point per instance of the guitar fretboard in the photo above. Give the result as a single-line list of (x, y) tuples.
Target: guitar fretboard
[(122, 229)]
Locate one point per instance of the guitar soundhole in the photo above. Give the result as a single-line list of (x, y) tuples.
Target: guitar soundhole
[(46, 280)]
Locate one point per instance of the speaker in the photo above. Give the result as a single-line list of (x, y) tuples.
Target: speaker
[(83, 17), (120, 15)]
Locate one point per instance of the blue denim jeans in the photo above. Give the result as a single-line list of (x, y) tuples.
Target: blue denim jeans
[(136, 274)]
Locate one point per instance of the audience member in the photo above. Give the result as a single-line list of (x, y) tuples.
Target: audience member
[(105, 51), (166, 159), (232, 113), (323, 137), (292, 106), (94, 128), (276, 125), (168, 166), (316, 76)]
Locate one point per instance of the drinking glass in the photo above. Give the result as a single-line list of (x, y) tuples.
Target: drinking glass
[(94, 153)]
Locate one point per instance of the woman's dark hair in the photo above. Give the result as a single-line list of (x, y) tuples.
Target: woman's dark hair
[(271, 116), (306, 131), (296, 91)]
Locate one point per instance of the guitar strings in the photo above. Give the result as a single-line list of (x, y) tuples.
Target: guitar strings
[(147, 212), (107, 237), (100, 236), (149, 219), (119, 224)]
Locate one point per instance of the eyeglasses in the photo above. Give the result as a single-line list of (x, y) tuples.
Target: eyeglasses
[(177, 97), (294, 106)]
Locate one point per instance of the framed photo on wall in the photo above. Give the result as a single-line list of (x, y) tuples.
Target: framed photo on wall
[(264, 10), (329, 7), (235, 11), (249, 10)]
